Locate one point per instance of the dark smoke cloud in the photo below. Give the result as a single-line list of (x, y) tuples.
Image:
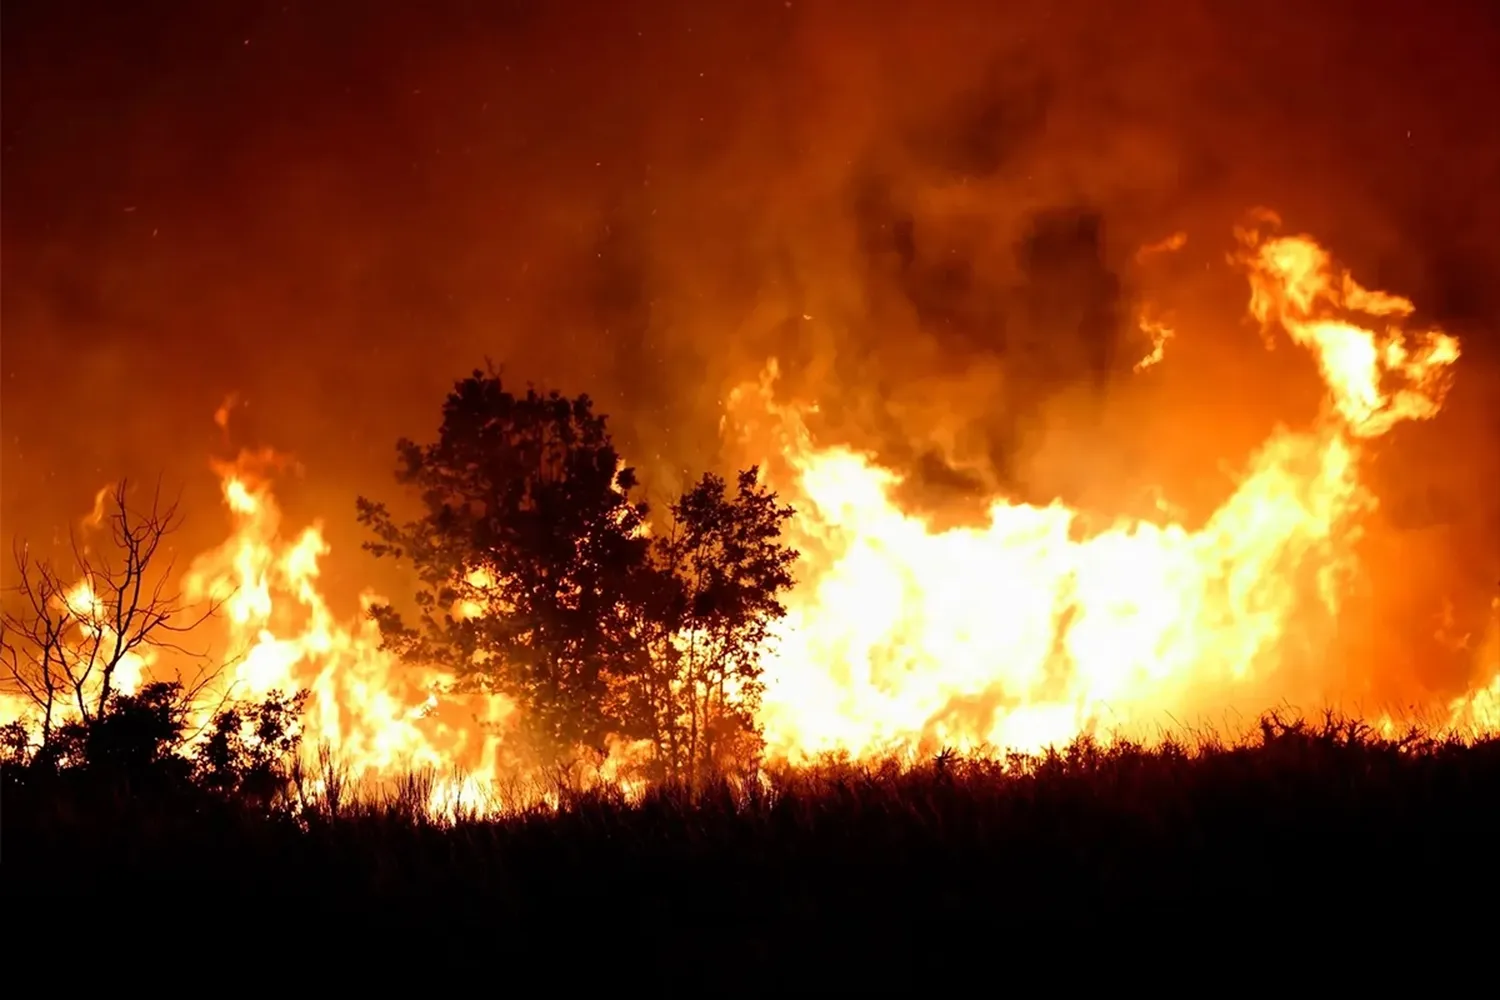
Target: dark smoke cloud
[(930, 213)]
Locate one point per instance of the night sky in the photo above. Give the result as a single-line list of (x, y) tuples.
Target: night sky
[(335, 208)]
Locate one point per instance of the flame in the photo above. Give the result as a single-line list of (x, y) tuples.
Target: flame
[(1479, 709), (1159, 333), (221, 415), (1027, 632), (88, 644), (1292, 284), (1021, 633), (1170, 244), (95, 517), (384, 718), (92, 619)]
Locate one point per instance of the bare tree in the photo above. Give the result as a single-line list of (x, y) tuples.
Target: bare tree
[(64, 643)]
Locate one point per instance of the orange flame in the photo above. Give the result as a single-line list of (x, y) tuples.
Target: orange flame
[(1159, 333), (1170, 244), (1293, 285), (1022, 633), (384, 718)]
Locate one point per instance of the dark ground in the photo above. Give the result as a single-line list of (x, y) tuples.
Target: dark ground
[(1318, 838)]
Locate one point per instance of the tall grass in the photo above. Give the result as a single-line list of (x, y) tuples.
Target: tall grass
[(888, 855)]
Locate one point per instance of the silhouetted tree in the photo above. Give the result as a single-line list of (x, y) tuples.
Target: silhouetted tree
[(65, 643), (527, 554), (722, 569), (538, 580)]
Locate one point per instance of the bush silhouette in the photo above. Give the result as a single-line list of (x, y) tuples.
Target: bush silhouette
[(133, 739), (250, 751)]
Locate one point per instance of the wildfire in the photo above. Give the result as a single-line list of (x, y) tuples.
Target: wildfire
[(383, 718), (1022, 633)]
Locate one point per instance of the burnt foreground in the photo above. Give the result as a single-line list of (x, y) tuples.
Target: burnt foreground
[(1323, 828)]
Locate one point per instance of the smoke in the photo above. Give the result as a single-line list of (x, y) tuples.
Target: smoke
[(929, 213)]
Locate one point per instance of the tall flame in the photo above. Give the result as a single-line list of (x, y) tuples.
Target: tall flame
[(1294, 286), (382, 717), (1021, 633)]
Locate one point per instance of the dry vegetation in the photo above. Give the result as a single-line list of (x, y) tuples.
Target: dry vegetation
[(1309, 822), (226, 827)]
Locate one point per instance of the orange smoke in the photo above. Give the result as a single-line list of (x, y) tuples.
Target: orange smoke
[(1025, 632)]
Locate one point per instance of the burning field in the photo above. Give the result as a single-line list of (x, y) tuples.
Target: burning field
[(911, 477), (1021, 633)]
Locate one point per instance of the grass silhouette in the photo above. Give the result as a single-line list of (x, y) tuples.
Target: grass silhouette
[(1313, 821)]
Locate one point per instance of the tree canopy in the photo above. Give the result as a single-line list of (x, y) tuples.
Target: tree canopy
[(538, 578)]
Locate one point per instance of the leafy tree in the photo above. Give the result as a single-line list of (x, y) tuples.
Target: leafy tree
[(538, 580), (722, 569), (527, 554)]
